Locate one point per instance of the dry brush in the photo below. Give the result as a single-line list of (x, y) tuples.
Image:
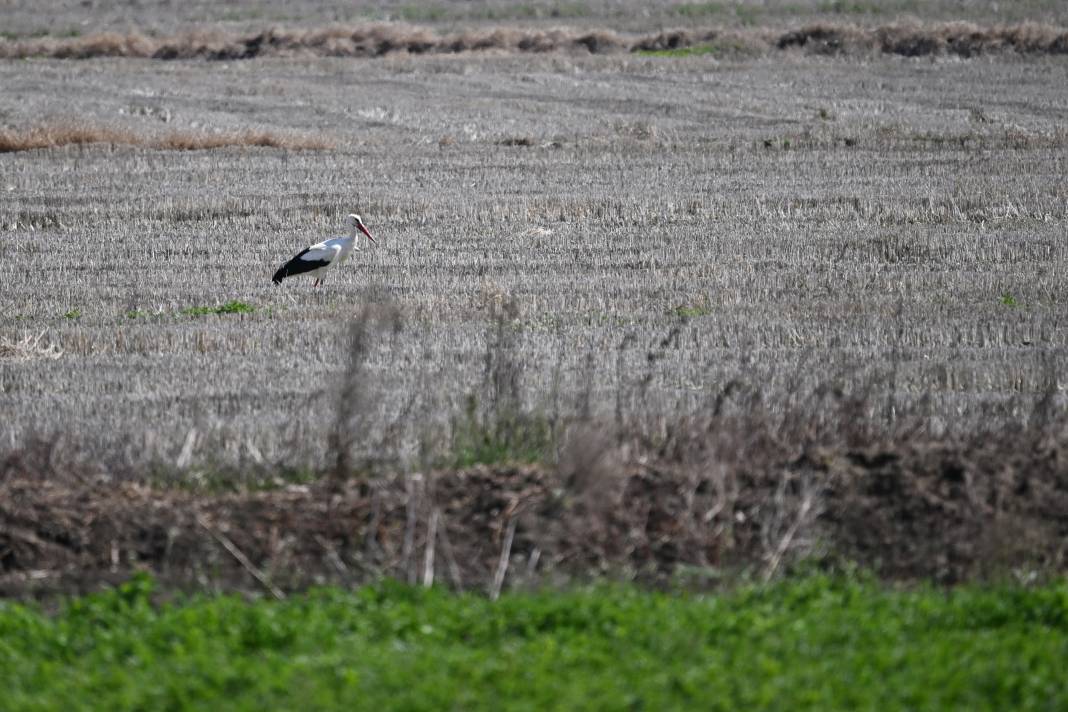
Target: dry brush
[(906, 38)]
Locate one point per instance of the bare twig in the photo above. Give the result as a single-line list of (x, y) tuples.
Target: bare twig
[(502, 564), (371, 534), (532, 562), (428, 558), (186, 454), (355, 403), (450, 559), (242, 559), (803, 511), (413, 485), (28, 347), (332, 556)]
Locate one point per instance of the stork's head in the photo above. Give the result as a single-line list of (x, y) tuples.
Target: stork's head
[(355, 223)]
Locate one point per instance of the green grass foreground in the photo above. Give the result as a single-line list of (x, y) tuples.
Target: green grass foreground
[(810, 643)]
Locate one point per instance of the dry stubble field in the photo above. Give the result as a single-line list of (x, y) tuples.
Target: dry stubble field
[(868, 251)]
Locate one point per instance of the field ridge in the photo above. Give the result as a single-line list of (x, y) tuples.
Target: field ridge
[(949, 511), (903, 38)]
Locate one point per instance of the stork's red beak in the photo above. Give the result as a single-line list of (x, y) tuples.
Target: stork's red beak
[(364, 230)]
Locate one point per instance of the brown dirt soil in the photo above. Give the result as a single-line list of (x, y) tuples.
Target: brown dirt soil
[(907, 511)]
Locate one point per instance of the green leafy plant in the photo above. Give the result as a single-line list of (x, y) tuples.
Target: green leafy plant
[(1008, 299), (231, 307), (393, 646), (73, 314), (694, 50), (849, 7)]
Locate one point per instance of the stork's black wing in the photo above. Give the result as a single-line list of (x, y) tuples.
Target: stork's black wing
[(308, 260)]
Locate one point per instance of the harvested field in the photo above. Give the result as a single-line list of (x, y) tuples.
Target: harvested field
[(704, 273)]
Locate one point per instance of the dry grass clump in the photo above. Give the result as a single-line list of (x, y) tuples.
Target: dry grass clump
[(28, 348), (66, 134), (360, 41), (188, 141), (375, 40), (378, 40), (51, 136), (106, 44), (913, 39)]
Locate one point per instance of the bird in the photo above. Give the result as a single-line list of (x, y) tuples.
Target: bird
[(315, 260)]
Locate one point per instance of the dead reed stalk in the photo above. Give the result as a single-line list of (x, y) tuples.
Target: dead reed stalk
[(354, 401), (502, 563)]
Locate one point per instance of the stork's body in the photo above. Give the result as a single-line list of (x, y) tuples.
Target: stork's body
[(317, 259)]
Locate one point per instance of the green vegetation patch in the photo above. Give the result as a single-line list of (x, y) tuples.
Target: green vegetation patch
[(422, 13), (849, 7), (699, 9), (231, 307), (510, 436), (693, 50), (809, 643), (691, 311)]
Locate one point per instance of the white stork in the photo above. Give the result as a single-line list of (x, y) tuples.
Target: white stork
[(318, 258)]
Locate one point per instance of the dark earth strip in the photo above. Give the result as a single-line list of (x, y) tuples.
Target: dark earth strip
[(909, 510)]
